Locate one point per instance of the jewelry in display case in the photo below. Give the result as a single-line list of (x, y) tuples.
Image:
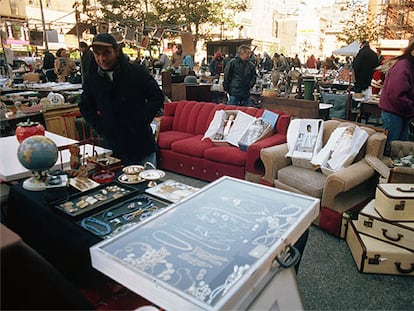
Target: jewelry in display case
[(86, 202)]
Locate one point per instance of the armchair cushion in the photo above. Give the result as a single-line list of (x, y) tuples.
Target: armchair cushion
[(300, 178)]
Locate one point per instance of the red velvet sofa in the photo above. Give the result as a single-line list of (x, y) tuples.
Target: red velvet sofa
[(181, 149)]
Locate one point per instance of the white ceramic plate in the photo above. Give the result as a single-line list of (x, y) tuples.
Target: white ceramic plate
[(152, 174), (126, 180)]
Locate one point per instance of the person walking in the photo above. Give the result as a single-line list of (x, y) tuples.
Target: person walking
[(364, 65), (239, 77), (120, 100), (397, 96)]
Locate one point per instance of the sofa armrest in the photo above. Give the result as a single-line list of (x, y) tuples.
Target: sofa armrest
[(376, 144), (344, 180), (274, 158), (253, 162), (166, 123)]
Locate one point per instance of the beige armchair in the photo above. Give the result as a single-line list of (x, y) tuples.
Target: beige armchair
[(348, 189), (395, 174)]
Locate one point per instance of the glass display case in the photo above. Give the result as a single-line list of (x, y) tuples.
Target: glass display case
[(210, 251)]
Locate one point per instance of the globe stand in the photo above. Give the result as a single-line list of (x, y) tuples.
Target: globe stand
[(36, 182)]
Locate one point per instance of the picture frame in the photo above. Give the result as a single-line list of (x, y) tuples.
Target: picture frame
[(158, 33)]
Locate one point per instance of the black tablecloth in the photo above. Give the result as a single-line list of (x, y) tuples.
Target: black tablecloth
[(59, 239), (54, 235), (30, 282)]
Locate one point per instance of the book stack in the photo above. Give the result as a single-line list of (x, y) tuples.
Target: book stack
[(381, 239)]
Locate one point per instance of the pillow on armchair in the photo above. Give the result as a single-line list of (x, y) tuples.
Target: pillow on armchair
[(339, 104)]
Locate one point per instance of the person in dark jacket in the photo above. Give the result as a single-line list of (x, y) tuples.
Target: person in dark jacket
[(217, 64), (87, 60), (49, 66), (266, 63), (240, 77), (119, 101), (364, 65), (397, 96)]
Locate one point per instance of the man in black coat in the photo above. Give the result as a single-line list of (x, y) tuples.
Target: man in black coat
[(119, 101), (49, 66), (364, 65), (87, 60), (240, 77)]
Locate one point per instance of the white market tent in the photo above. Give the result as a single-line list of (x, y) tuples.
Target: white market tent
[(349, 50)]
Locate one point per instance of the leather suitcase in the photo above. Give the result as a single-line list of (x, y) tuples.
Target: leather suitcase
[(395, 202), (398, 233), (374, 256)]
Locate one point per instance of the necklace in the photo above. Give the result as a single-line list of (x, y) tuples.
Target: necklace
[(92, 224), (139, 203), (184, 245), (209, 243)]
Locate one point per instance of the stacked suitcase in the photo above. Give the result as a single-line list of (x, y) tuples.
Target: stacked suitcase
[(381, 239)]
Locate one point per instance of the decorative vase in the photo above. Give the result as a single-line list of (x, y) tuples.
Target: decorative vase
[(27, 129)]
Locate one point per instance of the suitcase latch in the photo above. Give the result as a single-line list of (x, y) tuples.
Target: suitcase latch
[(368, 223), (399, 207), (376, 260)]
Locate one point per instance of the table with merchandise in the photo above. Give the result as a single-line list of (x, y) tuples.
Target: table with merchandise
[(62, 223)]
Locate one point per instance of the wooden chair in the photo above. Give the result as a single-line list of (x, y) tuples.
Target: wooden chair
[(76, 128)]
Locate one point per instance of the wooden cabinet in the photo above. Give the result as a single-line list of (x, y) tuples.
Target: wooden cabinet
[(198, 92), (54, 120)]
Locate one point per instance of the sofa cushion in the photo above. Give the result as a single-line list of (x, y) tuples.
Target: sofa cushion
[(192, 146), (165, 139), (186, 116), (305, 180), (227, 154)]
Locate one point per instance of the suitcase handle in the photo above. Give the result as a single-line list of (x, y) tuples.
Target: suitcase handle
[(291, 260), (411, 189), (405, 271), (395, 239)]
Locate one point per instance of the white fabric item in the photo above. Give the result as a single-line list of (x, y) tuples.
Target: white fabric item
[(341, 148), (297, 136), (232, 135), (214, 125)]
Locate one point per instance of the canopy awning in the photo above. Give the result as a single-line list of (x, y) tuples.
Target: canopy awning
[(349, 50)]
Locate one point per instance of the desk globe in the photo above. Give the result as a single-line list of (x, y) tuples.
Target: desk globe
[(38, 154)]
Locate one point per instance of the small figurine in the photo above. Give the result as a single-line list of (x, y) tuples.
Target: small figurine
[(75, 157)]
